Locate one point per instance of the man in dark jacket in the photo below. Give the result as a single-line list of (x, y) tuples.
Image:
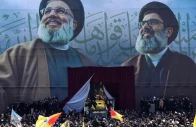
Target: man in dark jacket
[(158, 70)]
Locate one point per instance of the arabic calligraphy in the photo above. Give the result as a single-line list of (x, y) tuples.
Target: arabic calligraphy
[(107, 37)]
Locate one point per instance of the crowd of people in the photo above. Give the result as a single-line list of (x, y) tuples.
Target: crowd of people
[(166, 117), (179, 104)]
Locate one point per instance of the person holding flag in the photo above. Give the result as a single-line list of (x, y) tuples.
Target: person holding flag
[(47, 121), (83, 125), (116, 115), (15, 119)]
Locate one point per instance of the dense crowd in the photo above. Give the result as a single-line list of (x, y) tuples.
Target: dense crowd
[(169, 112), (179, 104)]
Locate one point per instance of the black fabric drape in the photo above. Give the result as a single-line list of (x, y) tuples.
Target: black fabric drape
[(119, 82)]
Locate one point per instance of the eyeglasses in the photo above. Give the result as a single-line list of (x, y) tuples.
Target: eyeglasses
[(151, 22), (58, 10)]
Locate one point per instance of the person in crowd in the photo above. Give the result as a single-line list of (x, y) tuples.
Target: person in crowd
[(109, 105), (38, 69), (130, 117), (156, 65), (161, 104), (93, 101)]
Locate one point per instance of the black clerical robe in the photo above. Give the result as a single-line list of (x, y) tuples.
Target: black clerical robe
[(58, 61), (174, 75), (25, 72)]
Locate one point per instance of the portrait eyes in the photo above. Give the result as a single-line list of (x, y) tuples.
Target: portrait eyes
[(151, 22), (47, 11), (61, 11), (58, 11)]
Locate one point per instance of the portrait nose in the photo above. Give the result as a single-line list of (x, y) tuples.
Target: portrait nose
[(52, 14), (145, 25), (145, 28)]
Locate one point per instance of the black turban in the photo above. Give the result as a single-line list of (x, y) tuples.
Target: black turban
[(166, 15), (78, 12)]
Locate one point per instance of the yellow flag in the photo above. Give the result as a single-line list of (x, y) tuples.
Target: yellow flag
[(64, 124), (41, 121), (194, 123), (47, 121), (116, 115)]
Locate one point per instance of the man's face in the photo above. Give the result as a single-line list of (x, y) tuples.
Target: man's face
[(52, 20), (152, 37), (57, 24)]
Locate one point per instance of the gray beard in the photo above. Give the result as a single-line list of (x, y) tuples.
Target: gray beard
[(153, 45), (60, 36)]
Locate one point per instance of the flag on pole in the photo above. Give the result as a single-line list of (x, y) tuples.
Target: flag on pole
[(83, 122), (15, 119), (53, 118), (47, 121), (194, 123), (115, 115), (41, 121), (80, 96)]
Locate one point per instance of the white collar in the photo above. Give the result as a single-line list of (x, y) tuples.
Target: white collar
[(158, 56), (60, 47)]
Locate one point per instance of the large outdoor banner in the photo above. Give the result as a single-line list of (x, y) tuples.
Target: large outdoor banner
[(108, 38), (110, 30)]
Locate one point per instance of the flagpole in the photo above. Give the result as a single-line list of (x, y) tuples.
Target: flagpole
[(83, 122)]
